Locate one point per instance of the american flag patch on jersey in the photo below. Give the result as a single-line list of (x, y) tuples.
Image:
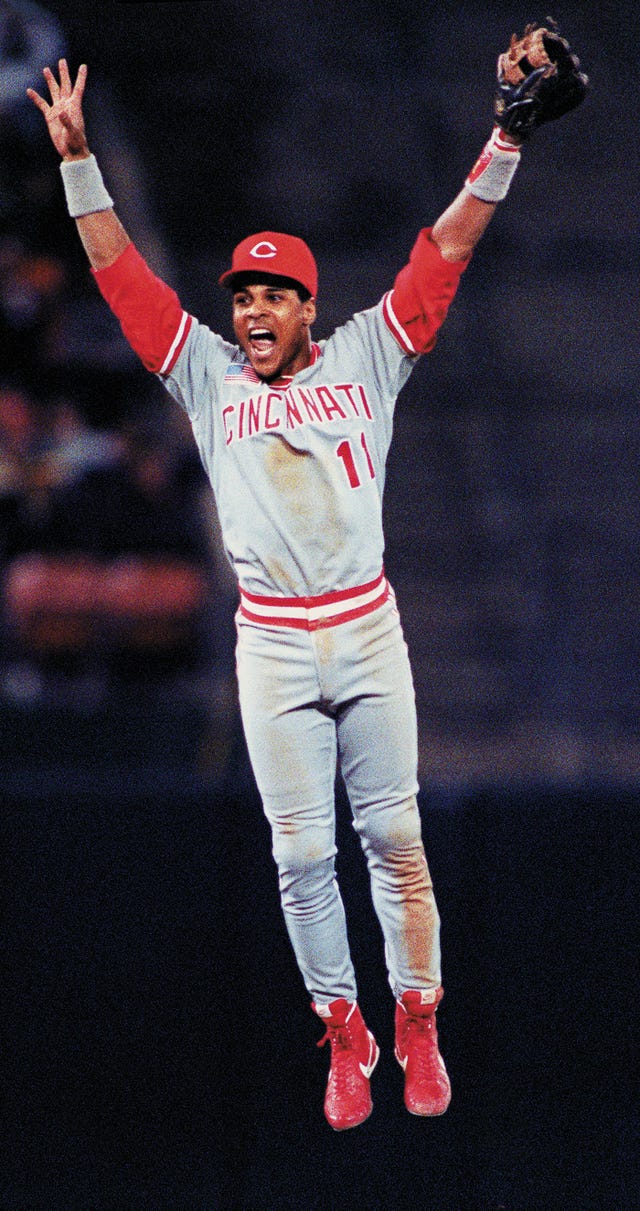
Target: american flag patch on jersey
[(241, 372)]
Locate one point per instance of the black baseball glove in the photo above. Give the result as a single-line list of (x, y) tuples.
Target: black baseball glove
[(539, 79)]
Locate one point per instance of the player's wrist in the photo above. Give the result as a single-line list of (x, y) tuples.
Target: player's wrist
[(84, 188), (493, 171), (509, 138)]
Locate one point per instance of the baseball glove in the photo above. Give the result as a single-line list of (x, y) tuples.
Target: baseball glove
[(539, 79)]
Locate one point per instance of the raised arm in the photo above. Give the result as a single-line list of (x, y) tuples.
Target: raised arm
[(538, 80), (465, 221), (149, 311), (100, 230)]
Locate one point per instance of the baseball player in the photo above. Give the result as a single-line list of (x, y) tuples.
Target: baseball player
[(294, 436)]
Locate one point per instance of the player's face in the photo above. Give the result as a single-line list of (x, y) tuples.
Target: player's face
[(272, 325)]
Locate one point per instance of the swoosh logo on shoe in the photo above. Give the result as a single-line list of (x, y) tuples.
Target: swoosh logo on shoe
[(402, 1062), (374, 1053)]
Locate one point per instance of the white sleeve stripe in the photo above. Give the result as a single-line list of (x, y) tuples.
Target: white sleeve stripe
[(394, 325), (166, 365)]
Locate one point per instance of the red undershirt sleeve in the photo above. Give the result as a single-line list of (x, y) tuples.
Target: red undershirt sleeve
[(150, 314), (417, 306)]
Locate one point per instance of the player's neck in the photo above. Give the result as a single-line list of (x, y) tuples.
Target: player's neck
[(304, 358)]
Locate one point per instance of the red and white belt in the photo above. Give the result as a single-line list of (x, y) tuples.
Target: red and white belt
[(311, 613)]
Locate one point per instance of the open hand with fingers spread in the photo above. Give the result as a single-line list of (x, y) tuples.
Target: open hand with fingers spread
[(64, 116)]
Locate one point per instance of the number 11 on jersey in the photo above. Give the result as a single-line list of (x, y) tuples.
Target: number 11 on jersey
[(345, 453)]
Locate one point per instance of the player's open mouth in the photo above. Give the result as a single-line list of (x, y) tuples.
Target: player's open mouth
[(261, 340)]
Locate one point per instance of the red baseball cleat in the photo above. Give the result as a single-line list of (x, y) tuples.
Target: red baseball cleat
[(427, 1090), (354, 1055)]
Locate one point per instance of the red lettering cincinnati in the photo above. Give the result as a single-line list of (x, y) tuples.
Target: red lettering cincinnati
[(254, 414), (330, 403), (294, 407)]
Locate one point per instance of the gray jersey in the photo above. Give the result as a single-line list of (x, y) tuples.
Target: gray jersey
[(297, 467), (297, 470)]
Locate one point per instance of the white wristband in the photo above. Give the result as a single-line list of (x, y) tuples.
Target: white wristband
[(492, 172), (83, 186)]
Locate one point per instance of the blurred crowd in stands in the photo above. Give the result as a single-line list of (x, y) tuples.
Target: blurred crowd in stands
[(105, 546)]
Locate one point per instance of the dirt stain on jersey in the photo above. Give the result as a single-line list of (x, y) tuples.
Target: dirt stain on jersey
[(302, 483), (279, 575), (289, 469)]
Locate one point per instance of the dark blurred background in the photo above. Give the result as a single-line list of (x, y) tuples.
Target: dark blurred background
[(161, 1050)]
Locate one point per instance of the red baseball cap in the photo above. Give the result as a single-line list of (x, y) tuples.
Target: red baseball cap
[(273, 253)]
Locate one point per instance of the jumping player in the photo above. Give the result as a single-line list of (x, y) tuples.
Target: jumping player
[(294, 436)]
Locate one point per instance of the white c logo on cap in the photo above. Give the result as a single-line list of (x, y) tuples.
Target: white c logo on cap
[(264, 249)]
